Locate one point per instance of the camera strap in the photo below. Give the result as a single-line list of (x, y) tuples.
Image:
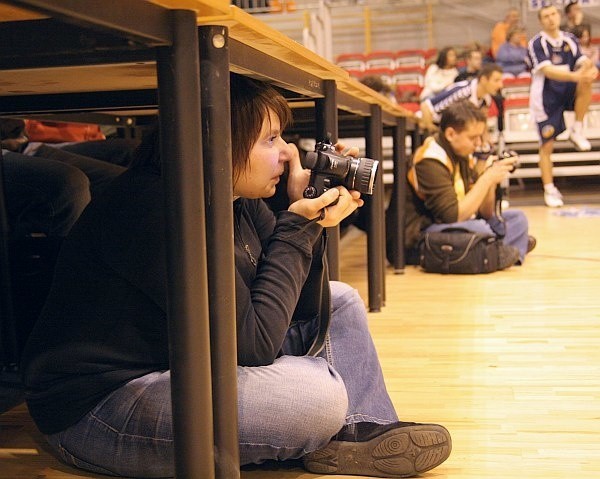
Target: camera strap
[(325, 303)]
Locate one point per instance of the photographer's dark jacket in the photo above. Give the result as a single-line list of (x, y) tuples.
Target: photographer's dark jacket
[(437, 180), (105, 324)]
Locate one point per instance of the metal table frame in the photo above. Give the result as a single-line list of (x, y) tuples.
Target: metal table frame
[(191, 95)]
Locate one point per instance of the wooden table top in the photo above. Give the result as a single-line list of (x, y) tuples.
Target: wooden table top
[(242, 27)]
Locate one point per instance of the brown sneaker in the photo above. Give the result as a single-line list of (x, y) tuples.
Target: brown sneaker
[(531, 242), (394, 450)]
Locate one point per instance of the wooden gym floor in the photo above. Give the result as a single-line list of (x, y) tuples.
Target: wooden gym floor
[(508, 362)]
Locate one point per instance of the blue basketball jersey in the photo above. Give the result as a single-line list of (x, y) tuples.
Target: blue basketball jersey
[(546, 95), (464, 90)]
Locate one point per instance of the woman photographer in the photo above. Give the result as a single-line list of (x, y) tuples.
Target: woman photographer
[(96, 367)]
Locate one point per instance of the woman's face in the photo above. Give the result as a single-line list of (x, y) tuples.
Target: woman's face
[(267, 159), (451, 59), (585, 38)]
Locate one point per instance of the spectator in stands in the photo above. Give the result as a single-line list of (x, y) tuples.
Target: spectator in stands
[(96, 373), (441, 73), (447, 189), (473, 65), (479, 91), (584, 35), (561, 81), (498, 36), (573, 17), (511, 55)]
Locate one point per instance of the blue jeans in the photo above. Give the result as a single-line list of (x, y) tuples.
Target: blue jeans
[(515, 228), (43, 196), (285, 410)]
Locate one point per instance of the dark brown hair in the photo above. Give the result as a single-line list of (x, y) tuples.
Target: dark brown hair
[(442, 59), (458, 115), (251, 102), (488, 68)]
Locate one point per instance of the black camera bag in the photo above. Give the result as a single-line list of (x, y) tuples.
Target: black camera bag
[(459, 251)]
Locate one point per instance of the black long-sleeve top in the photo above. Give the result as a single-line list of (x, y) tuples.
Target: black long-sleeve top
[(105, 321)]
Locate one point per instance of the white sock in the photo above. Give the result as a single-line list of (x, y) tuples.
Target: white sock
[(577, 126), (549, 187)]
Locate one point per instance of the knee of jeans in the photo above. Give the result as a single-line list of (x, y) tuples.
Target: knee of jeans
[(345, 291), (517, 220), (77, 187), (316, 397), (325, 401), (339, 288), (71, 192)]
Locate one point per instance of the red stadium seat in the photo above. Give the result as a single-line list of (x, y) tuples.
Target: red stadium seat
[(351, 61), (408, 92), (414, 74), (516, 87), (410, 58), (380, 59)]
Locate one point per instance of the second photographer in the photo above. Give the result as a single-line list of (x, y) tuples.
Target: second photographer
[(447, 189)]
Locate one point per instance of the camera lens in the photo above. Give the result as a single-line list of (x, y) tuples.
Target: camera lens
[(361, 176)]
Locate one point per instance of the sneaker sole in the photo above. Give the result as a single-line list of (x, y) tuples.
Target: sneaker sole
[(579, 148), (402, 452), (554, 205)]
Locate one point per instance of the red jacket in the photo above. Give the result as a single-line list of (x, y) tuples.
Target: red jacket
[(56, 132)]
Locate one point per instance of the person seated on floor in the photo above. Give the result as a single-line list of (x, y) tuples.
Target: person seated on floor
[(512, 56), (447, 188), (15, 139), (44, 195), (96, 368)]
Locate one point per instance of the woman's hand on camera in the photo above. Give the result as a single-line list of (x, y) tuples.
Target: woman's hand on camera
[(331, 215), (298, 176)]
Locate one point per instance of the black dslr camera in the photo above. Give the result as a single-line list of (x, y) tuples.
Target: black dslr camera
[(509, 154), (329, 169), (502, 188)]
